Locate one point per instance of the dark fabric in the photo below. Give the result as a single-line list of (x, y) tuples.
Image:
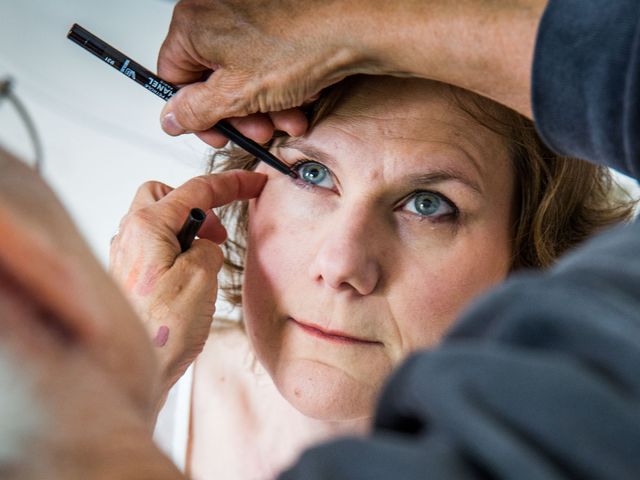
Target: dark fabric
[(541, 378), (586, 81)]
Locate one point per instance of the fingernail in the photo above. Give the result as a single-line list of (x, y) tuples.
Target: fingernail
[(171, 125)]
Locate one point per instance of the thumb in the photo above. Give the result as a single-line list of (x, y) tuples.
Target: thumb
[(198, 106)]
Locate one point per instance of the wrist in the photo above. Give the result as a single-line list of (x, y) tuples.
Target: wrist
[(485, 47), (172, 367)]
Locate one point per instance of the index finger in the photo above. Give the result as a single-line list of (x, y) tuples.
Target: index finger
[(215, 190)]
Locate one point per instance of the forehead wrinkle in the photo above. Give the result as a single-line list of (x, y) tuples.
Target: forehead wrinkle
[(416, 181), (348, 124), (454, 129), (449, 118)]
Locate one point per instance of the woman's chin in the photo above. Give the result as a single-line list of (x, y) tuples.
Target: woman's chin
[(325, 392)]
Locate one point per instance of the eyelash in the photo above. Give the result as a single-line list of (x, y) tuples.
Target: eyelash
[(452, 217), (301, 183)]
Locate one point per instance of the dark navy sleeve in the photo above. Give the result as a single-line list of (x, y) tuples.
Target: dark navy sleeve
[(540, 379), (586, 81)]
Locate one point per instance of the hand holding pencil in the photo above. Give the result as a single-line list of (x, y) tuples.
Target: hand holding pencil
[(166, 91), (170, 278), (173, 285)]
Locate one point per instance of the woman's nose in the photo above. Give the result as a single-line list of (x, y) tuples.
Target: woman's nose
[(346, 257)]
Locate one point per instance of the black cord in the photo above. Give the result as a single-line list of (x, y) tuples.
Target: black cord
[(6, 91), (5, 86)]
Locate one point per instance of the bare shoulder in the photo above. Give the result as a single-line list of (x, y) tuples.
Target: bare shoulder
[(227, 333), (227, 356)]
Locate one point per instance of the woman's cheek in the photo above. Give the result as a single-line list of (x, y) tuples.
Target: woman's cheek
[(303, 200), (290, 206), (282, 225)]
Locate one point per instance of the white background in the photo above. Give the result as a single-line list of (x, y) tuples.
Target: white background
[(100, 130)]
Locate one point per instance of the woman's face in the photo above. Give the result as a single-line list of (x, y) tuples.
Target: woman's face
[(401, 215)]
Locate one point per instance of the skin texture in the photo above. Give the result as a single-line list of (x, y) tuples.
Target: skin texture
[(84, 367), (173, 291), (353, 259), (255, 61)]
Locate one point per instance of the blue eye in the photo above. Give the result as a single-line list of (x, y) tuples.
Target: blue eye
[(315, 174), (430, 204)]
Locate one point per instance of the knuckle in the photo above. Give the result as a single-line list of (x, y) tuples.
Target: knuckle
[(217, 257), (180, 10), (149, 187), (273, 92), (213, 255), (183, 12), (193, 110), (138, 220), (195, 184), (207, 261), (201, 181), (234, 93)]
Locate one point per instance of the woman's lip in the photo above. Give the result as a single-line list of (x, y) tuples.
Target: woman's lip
[(332, 335)]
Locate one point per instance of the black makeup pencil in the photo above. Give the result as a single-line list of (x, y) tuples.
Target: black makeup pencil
[(189, 230), (166, 90)]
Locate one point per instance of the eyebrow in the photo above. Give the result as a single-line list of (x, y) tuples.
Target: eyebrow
[(415, 181), (309, 151), (444, 175)]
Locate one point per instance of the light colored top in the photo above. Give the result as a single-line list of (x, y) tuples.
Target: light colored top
[(225, 419), (172, 427)]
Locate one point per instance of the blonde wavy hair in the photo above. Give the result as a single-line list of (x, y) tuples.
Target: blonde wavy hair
[(560, 201)]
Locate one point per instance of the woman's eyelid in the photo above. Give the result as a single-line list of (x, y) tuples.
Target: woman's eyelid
[(451, 204), (305, 160), (295, 156)]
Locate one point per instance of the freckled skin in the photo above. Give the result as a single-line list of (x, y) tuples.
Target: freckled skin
[(70, 334), (354, 258), (149, 280)]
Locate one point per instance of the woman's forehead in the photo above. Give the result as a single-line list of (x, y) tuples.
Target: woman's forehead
[(404, 116), (392, 96), (414, 109)]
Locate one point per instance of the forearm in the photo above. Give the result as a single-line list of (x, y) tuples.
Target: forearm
[(273, 59), (486, 47)]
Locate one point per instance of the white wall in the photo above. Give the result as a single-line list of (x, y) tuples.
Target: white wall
[(100, 130)]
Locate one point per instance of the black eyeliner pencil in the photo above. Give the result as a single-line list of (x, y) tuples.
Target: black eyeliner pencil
[(166, 90), (189, 230)]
